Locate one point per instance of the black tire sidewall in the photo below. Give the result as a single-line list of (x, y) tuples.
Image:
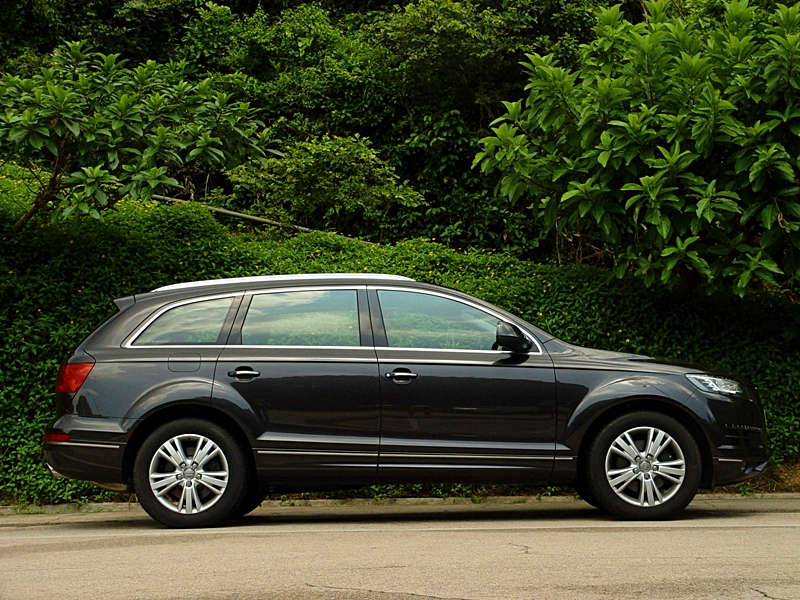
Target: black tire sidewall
[(605, 495), (238, 475)]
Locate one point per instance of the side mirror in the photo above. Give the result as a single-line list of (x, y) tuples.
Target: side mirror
[(510, 337)]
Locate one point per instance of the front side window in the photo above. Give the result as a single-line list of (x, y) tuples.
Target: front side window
[(304, 318), (197, 323), (414, 320)]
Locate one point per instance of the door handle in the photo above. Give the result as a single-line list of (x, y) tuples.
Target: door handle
[(401, 376), (243, 373)]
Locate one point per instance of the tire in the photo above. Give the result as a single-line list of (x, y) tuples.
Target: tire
[(582, 489), (627, 483), (252, 499), (181, 494)]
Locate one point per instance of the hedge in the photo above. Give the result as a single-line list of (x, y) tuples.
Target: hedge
[(57, 284)]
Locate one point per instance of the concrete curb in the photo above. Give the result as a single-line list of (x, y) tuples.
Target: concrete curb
[(106, 507)]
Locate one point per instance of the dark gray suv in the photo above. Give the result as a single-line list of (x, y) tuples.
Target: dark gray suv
[(205, 396)]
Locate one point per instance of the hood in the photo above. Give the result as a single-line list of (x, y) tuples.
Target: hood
[(568, 355)]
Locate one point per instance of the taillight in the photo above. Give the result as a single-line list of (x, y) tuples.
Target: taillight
[(71, 377), (56, 437)]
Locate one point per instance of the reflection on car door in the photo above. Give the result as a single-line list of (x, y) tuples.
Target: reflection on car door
[(452, 407), (302, 371)]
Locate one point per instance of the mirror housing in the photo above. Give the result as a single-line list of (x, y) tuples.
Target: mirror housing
[(510, 337)]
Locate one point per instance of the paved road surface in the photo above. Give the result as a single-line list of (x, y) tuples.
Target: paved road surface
[(723, 548)]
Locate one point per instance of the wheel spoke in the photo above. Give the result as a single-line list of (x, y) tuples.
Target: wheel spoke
[(656, 443), (173, 451), (183, 500), (622, 476), (206, 450), (624, 449), (652, 491), (161, 483), (659, 448), (668, 477), (196, 499), (679, 471), (214, 484)]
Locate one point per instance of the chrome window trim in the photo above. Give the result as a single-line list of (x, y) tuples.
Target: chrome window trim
[(527, 333), (305, 288), (138, 331)]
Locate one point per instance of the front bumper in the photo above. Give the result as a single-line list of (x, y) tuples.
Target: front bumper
[(739, 432), (728, 471)]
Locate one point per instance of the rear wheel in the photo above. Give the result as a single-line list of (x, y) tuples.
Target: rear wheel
[(190, 473), (644, 465)]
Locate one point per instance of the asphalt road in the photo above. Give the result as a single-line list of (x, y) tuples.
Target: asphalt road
[(722, 548)]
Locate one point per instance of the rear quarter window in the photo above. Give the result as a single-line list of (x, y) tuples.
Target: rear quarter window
[(196, 323)]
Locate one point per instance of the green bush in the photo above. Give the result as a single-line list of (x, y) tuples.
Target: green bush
[(337, 183), (56, 285), (672, 148)]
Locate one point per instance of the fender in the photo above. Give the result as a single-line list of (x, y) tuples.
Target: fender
[(639, 388), (229, 401), (185, 390)]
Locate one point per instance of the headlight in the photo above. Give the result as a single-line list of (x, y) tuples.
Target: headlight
[(716, 385)]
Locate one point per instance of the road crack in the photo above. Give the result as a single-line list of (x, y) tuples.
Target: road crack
[(766, 595), (525, 549)]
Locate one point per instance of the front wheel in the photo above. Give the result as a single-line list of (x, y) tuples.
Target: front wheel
[(190, 473), (644, 465)]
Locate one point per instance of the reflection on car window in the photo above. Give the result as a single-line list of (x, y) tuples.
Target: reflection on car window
[(190, 324), (414, 320), (309, 318)]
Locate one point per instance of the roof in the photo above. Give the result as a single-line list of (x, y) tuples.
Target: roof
[(284, 278)]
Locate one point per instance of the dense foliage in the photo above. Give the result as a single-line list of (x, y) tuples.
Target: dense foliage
[(420, 81), (672, 147), (56, 286), (92, 130)]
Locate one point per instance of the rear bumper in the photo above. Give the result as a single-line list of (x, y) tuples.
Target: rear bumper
[(85, 460), (95, 451)]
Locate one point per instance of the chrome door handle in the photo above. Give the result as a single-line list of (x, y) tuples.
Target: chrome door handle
[(401, 376), (243, 373)]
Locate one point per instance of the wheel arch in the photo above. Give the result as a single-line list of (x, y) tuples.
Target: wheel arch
[(653, 404), (172, 412)]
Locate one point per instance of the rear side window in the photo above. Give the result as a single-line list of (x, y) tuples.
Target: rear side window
[(197, 323), (306, 318)]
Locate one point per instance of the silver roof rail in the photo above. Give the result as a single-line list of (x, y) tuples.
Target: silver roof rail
[(281, 278)]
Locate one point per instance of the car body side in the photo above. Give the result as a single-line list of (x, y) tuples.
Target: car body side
[(131, 390)]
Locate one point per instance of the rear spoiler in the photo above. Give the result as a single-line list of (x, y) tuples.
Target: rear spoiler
[(126, 302)]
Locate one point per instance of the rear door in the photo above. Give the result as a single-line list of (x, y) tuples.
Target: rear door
[(454, 406), (300, 372)]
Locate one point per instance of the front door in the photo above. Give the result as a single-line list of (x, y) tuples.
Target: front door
[(454, 407), (301, 372)]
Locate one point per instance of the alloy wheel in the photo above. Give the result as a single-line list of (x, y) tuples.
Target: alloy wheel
[(645, 466), (189, 473)]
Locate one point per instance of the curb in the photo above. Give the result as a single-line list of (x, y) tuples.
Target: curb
[(106, 507)]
